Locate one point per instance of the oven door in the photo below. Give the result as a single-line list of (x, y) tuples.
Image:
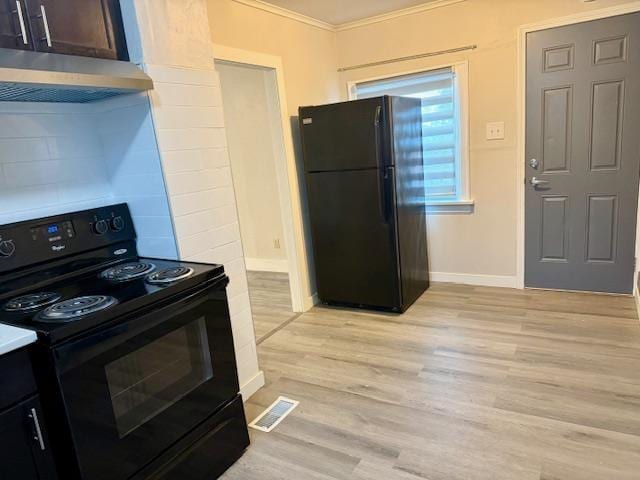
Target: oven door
[(132, 390)]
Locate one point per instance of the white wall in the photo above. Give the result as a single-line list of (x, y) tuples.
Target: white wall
[(172, 40), (253, 127)]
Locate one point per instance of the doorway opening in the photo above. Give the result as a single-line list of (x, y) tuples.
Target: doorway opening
[(256, 149)]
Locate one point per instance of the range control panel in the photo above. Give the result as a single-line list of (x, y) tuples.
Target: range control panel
[(34, 241)]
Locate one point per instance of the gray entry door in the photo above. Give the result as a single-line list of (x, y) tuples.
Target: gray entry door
[(583, 130)]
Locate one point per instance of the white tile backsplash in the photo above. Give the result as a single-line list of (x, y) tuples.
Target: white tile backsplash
[(179, 95), (191, 138), (135, 171), (195, 160), (57, 158), (51, 161), (189, 117), (187, 110)]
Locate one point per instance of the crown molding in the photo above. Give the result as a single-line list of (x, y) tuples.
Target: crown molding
[(396, 14), (284, 12)]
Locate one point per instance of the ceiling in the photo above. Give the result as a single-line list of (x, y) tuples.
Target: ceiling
[(337, 12)]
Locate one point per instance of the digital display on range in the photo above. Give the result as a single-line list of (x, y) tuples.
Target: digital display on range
[(53, 232)]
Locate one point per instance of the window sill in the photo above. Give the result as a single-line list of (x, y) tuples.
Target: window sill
[(450, 207)]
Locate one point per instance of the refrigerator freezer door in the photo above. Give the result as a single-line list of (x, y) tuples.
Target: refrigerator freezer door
[(354, 238), (345, 136)]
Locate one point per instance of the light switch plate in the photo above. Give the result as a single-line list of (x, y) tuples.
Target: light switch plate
[(495, 131)]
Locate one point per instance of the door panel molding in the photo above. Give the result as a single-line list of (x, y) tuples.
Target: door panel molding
[(557, 104), (631, 7), (558, 58), (610, 50), (554, 234), (607, 111), (602, 223)]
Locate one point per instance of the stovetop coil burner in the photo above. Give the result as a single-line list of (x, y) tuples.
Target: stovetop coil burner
[(75, 308), (33, 301), (169, 275), (127, 271)]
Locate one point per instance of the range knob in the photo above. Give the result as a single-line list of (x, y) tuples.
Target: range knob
[(117, 224), (100, 227), (7, 248)]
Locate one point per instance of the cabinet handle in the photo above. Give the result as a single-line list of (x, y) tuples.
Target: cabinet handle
[(34, 416), (23, 30), (46, 26)]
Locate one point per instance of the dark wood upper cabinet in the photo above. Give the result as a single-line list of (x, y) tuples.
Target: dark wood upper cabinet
[(14, 25), (89, 28)]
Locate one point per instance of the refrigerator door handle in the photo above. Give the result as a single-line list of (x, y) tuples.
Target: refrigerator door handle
[(376, 129), (381, 171)]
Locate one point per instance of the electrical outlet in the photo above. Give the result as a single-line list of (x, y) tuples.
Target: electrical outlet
[(495, 131), (276, 244)]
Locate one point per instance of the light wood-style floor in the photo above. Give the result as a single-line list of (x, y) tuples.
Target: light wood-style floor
[(270, 302), (471, 383)]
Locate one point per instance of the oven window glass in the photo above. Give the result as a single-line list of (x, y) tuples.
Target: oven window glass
[(147, 381)]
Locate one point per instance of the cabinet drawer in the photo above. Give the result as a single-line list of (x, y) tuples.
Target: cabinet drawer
[(24, 445)]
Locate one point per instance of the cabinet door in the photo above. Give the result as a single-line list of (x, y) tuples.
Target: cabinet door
[(90, 28), (24, 446), (14, 25)]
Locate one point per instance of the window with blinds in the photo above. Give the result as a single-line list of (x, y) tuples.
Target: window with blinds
[(440, 125)]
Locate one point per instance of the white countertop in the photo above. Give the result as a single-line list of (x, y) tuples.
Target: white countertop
[(12, 338)]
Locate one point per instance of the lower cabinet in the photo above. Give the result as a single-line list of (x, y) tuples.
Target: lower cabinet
[(24, 445)]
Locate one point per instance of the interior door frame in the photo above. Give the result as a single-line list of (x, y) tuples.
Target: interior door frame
[(523, 30), (287, 177)]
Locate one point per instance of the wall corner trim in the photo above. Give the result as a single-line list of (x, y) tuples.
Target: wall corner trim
[(286, 13), (267, 265), (314, 22), (396, 14), (636, 297), (252, 386)]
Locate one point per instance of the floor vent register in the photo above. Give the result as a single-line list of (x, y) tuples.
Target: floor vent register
[(272, 416)]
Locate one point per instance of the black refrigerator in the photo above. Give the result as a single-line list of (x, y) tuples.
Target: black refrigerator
[(365, 188)]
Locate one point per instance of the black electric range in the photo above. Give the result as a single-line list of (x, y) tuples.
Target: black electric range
[(58, 307), (135, 359)]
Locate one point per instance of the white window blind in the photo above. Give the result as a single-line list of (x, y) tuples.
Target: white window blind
[(440, 125)]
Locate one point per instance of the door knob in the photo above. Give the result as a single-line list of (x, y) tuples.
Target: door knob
[(536, 182)]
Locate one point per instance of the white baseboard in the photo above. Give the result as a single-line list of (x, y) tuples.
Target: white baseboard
[(473, 279), (311, 301), (252, 386), (636, 297), (266, 265)]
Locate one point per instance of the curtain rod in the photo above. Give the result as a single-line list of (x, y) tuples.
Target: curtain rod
[(411, 57)]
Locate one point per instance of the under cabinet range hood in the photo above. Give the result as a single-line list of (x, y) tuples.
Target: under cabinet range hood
[(48, 77)]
